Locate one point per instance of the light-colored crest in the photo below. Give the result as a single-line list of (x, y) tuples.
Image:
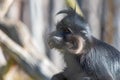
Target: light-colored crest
[(74, 5)]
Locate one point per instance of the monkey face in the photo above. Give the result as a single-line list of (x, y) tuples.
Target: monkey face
[(65, 39), (71, 35)]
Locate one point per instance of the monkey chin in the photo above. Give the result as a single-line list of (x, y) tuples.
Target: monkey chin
[(79, 47)]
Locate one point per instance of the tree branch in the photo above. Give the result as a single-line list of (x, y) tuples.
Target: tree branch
[(5, 7), (27, 55)]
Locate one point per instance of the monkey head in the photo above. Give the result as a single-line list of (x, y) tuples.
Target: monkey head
[(72, 33)]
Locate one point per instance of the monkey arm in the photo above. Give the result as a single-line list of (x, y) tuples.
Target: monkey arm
[(65, 76), (59, 76)]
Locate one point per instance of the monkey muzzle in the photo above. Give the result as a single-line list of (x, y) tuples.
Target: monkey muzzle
[(75, 44), (55, 42), (71, 43)]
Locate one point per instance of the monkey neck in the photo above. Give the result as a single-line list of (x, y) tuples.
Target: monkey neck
[(72, 63)]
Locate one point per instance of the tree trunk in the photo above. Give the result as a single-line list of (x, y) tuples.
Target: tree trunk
[(116, 38), (93, 13)]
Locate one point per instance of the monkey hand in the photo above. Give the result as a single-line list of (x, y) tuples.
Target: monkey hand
[(59, 76)]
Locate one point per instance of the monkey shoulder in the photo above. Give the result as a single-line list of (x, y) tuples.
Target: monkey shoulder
[(103, 49), (104, 53), (103, 59)]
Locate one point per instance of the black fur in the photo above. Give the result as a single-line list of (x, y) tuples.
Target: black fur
[(96, 61)]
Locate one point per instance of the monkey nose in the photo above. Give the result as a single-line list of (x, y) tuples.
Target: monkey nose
[(57, 38), (55, 41)]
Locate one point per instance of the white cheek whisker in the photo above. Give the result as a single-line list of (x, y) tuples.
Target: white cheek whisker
[(80, 45)]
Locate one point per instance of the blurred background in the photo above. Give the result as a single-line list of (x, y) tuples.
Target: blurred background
[(26, 24)]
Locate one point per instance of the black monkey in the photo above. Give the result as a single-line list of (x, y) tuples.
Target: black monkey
[(86, 57)]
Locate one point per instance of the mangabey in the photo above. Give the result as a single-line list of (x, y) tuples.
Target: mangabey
[(86, 57)]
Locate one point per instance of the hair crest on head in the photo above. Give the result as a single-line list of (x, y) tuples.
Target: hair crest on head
[(69, 11)]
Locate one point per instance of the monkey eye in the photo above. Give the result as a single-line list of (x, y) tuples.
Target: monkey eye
[(67, 30), (70, 30), (84, 32), (64, 29)]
